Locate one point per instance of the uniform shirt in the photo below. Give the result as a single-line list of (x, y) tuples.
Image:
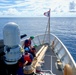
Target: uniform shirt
[(28, 57)]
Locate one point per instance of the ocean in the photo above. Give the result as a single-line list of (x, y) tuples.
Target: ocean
[(63, 27)]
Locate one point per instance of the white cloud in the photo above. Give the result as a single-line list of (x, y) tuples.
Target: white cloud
[(4, 1), (38, 7), (72, 6), (1, 13), (11, 12)]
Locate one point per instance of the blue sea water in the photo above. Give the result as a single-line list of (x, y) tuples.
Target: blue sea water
[(64, 28)]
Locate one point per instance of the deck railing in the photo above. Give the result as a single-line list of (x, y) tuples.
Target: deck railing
[(60, 50)]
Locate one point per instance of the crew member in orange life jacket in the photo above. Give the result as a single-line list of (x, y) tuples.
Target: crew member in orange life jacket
[(28, 58), (27, 42)]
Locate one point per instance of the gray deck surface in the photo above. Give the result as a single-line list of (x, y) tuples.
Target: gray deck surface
[(49, 63)]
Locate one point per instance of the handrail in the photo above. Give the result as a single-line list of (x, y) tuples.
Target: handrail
[(68, 53), (38, 40)]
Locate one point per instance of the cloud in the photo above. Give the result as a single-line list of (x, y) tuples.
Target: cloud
[(11, 4), (72, 5), (11, 12), (5, 1), (35, 7)]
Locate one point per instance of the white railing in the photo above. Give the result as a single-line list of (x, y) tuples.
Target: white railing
[(60, 50)]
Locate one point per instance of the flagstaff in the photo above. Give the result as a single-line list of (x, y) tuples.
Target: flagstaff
[(48, 24), (49, 27)]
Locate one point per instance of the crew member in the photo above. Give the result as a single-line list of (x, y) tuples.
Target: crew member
[(27, 42), (20, 66), (27, 68), (33, 51)]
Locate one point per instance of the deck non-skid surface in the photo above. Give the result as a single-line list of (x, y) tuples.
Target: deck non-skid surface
[(49, 63)]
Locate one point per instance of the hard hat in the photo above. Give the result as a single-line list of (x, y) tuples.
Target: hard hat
[(26, 49), (32, 37), (35, 46)]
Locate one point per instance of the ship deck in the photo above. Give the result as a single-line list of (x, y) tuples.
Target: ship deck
[(49, 65)]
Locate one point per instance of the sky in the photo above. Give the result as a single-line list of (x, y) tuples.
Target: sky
[(36, 8)]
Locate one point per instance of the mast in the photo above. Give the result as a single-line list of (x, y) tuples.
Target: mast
[(49, 26)]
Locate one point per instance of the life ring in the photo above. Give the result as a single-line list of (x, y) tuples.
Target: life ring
[(68, 70)]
